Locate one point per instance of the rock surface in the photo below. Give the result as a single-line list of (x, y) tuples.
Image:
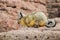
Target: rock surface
[(30, 34), (53, 8)]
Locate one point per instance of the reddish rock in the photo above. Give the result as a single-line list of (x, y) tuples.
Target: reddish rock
[(39, 1), (50, 1)]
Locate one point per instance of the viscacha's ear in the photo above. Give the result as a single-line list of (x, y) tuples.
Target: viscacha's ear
[(21, 15)]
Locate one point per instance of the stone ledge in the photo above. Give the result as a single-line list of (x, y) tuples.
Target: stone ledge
[(29, 34)]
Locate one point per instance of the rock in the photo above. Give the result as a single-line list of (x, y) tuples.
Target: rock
[(50, 1), (39, 1), (58, 1), (57, 20), (7, 22), (53, 8), (28, 34), (53, 12)]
